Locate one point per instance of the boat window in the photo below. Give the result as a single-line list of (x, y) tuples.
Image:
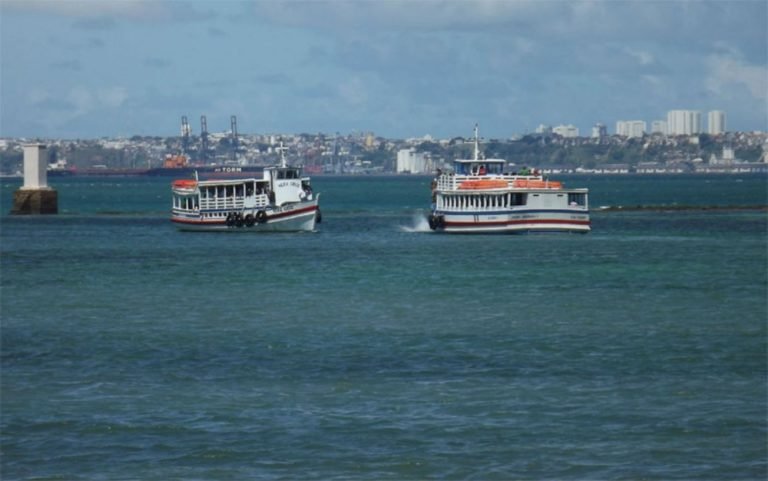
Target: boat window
[(239, 190), (577, 199), (519, 198)]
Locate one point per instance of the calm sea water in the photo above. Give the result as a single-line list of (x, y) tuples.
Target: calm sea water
[(374, 349)]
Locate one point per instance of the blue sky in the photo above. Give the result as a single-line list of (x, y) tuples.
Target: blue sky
[(96, 68)]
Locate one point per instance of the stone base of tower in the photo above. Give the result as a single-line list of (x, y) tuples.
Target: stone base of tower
[(35, 201)]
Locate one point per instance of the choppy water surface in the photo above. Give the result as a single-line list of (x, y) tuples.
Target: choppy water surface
[(374, 349)]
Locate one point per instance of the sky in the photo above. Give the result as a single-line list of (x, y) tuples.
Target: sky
[(81, 69)]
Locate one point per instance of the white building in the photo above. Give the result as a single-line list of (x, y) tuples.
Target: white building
[(566, 131), (683, 122), (410, 161), (543, 129), (716, 122), (659, 127), (599, 131), (728, 157), (630, 128)]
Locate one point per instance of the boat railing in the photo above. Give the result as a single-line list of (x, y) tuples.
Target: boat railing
[(452, 181), (259, 201), (479, 202)]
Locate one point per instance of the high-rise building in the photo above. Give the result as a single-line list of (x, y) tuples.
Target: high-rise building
[(566, 131), (659, 127), (599, 131), (716, 122), (410, 161), (683, 122), (630, 128)]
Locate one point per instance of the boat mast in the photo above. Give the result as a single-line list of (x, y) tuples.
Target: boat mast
[(282, 150), (477, 146)]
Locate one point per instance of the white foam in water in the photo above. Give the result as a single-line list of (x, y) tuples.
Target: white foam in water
[(419, 223)]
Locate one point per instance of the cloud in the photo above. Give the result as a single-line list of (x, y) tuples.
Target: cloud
[(216, 32), (275, 79), (94, 42), (111, 97), (641, 56), (157, 63), (95, 23), (353, 92), (98, 14), (727, 71), (73, 65), (401, 14), (80, 100)]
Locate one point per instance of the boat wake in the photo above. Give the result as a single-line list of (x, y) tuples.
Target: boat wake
[(418, 223)]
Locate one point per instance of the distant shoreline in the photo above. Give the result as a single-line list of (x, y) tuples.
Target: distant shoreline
[(621, 208), (143, 173)]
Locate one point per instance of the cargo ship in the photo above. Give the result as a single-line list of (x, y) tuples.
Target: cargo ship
[(173, 165)]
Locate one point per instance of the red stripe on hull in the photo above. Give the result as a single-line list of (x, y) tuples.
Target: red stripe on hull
[(516, 222), (292, 212), (224, 222)]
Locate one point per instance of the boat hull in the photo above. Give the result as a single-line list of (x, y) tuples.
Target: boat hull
[(207, 170), (297, 217), (511, 222)]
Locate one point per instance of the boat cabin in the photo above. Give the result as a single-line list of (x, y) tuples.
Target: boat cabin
[(288, 185), (277, 187), (479, 166)]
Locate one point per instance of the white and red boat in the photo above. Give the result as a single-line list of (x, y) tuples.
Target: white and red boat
[(482, 196), (280, 200)]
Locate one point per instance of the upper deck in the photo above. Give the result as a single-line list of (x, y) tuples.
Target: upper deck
[(485, 175)]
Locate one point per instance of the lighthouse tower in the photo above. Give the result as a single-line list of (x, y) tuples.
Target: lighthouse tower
[(35, 196)]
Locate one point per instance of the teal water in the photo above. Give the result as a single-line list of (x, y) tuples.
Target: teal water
[(374, 349)]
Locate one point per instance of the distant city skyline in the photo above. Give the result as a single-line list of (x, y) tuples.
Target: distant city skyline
[(89, 69)]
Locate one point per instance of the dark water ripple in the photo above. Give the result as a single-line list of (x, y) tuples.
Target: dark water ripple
[(371, 350)]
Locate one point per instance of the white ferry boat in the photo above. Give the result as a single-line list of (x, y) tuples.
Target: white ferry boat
[(281, 200), (481, 196)]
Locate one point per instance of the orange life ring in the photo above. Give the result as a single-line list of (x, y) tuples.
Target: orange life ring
[(185, 184), (537, 184), (483, 184)]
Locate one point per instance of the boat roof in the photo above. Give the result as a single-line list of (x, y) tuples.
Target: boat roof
[(480, 161), (230, 181)]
